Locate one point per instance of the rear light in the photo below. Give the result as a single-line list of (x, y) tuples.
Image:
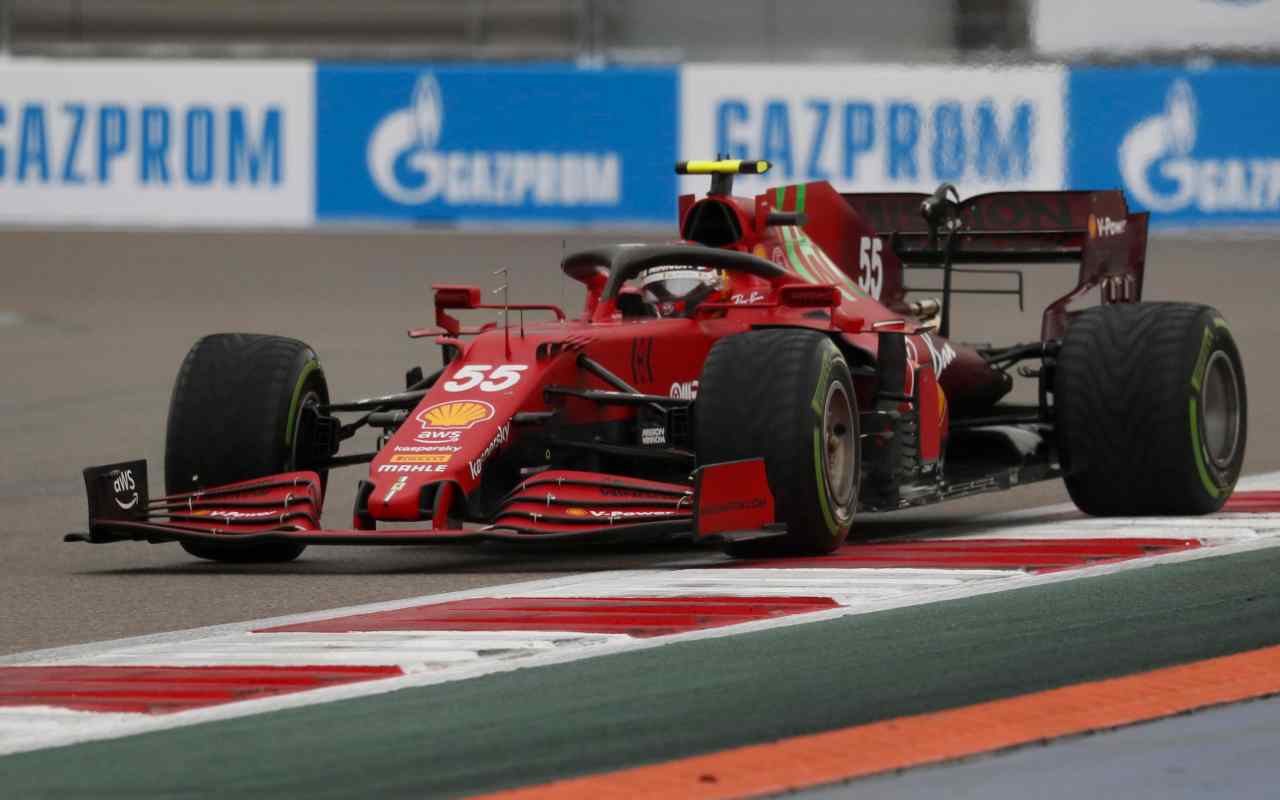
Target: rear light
[(809, 296), (457, 296)]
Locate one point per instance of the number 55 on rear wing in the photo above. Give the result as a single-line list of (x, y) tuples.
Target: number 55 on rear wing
[(1091, 228)]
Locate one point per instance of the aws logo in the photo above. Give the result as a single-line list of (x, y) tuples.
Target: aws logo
[(124, 487)]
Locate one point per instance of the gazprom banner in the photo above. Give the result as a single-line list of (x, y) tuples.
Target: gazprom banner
[(879, 127), (237, 143), (155, 142), (1193, 147), (549, 143)]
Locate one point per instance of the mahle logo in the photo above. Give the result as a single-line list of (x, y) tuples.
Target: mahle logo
[(409, 167)]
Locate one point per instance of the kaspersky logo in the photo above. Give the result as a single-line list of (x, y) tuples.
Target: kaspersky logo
[(409, 167), (1161, 171)]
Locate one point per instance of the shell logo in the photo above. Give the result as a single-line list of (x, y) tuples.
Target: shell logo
[(455, 414), (1093, 227), (576, 512)]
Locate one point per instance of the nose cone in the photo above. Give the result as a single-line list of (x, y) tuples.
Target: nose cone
[(439, 442)]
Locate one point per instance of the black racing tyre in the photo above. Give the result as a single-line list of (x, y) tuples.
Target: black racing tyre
[(785, 395), (234, 416), (1151, 409)]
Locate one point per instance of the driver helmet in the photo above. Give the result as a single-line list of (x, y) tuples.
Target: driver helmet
[(676, 290)]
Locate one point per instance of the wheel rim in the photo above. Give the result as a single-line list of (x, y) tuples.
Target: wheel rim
[(840, 447), (308, 399), (1220, 410)]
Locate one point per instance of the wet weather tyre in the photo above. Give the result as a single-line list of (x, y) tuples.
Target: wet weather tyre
[(235, 415), (1151, 409), (785, 395)]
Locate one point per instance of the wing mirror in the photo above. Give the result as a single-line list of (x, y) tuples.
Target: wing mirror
[(457, 296)]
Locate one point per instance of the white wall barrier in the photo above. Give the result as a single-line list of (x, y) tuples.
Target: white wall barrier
[(1063, 29)]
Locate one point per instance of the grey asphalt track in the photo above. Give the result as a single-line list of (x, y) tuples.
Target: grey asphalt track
[(1220, 752), (93, 326), (601, 714)]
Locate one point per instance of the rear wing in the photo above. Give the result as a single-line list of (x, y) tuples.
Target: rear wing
[(1092, 228)]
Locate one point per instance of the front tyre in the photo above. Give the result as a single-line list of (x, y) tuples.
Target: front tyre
[(1151, 409), (235, 415), (785, 395)]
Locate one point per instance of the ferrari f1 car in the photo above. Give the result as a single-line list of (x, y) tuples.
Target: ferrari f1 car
[(761, 382)]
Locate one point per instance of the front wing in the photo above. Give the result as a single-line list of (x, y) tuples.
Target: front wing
[(725, 501)]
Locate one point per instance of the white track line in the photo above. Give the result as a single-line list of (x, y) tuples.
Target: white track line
[(413, 651), (542, 586), (848, 587), (434, 657), (18, 735)]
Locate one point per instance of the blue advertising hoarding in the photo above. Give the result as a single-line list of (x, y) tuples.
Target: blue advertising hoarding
[(1194, 147), (535, 143)]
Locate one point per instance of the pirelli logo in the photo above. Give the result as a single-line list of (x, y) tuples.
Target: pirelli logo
[(421, 458)]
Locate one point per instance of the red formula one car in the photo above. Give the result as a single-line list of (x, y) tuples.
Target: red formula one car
[(761, 382)]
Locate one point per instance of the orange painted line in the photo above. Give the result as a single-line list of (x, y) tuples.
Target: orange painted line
[(816, 759)]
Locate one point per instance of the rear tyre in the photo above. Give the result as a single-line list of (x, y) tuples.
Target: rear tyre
[(785, 395), (236, 415), (1151, 409)]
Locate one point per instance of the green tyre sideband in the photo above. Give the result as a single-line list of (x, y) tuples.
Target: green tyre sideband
[(785, 395), (1151, 409), (235, 415)]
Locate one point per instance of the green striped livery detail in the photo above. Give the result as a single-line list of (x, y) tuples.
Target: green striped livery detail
[(822, 482), (1209, 485), (1202, 360), (793, 257)]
